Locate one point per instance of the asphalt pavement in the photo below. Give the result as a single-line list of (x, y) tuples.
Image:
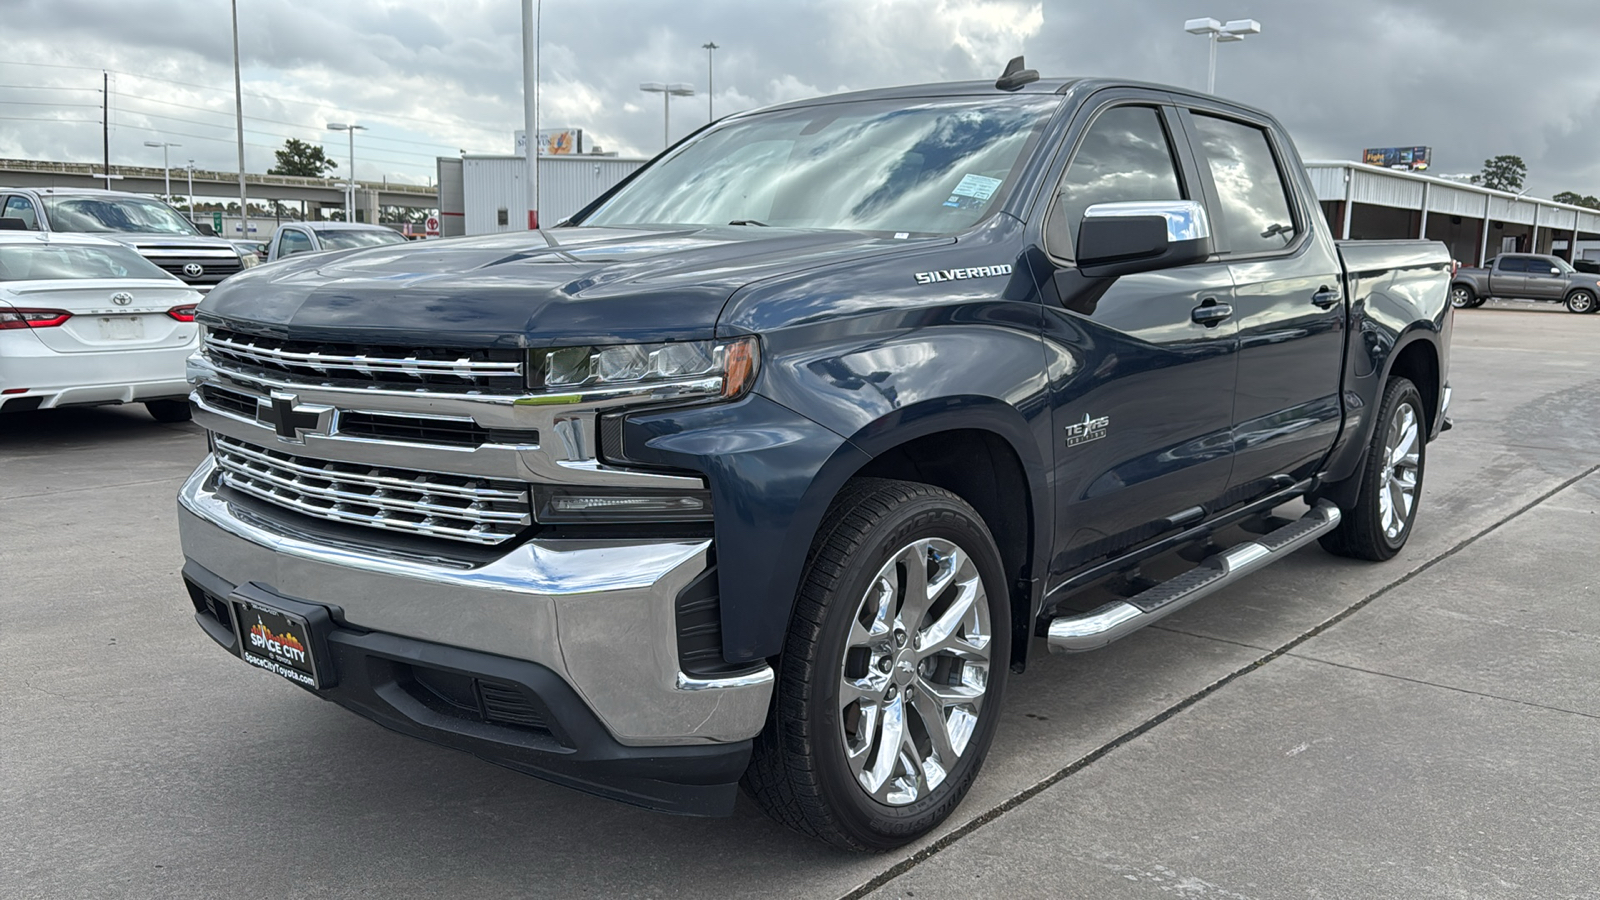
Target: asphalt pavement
[(1427, 727)]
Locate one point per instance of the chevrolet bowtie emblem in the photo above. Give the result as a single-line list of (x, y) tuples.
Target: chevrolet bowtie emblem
[(288, 417)]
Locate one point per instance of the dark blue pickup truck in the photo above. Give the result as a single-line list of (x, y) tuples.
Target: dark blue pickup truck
[(776, 462)]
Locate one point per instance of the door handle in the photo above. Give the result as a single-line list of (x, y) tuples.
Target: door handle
[(1210, 313), (1326, 297)]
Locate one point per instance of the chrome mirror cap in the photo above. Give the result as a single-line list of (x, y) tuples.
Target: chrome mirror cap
[(1186, 219)]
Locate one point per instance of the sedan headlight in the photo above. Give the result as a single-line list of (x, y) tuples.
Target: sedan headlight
[(723, 369)]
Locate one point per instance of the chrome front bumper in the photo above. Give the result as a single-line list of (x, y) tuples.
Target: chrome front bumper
[(600, 614)]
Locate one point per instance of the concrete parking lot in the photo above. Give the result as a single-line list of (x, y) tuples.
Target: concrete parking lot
[(1429, 727)]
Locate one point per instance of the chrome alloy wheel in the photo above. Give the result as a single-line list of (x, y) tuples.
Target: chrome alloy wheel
[(1403, 462), (1460, 297), (915, 670)]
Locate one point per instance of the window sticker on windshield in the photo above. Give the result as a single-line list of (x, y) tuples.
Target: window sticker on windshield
[(973, 190)]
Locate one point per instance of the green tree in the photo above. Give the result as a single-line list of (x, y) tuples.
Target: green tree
[(300, 158), (1503, 173), (1577, 199)]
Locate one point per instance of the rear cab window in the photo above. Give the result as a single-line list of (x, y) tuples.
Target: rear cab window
[(1255, 215), (18, 207)]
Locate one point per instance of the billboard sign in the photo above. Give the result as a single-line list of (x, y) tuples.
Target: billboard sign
[(1411, 159), (552, 141)]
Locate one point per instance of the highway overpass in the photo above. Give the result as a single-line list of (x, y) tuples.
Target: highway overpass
[(325, 192)]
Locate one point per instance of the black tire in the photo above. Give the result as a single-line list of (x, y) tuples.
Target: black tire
[(1581, 302), (1463, 297), (168, 410), (800, 772), (1369, 531)]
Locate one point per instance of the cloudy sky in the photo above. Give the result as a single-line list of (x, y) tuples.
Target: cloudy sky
[(1470, 78)]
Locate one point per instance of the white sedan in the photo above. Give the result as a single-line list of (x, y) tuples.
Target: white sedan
[(85, 322)]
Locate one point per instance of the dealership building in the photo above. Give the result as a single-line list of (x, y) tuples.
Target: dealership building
[(1363, 202)]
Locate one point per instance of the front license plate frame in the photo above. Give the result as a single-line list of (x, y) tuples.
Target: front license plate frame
[(286, 642)]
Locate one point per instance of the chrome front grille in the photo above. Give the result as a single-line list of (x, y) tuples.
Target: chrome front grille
[(493, 370), (457, 507)]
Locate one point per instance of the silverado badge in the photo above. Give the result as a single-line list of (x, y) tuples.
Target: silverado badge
[(959, 274)]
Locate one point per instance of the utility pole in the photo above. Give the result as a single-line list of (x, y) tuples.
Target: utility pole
[(105, 121), (238, 112), (711, 85), (191, 190), (530, 103)]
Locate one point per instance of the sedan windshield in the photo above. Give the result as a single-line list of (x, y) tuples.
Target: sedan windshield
[(40, 262), (929, 167), (338, 239), (106, 214)]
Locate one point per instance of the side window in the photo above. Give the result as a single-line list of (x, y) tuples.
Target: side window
[(21, 208), (1125, 155), (1513, 264), (1255, 206), (293, 242)]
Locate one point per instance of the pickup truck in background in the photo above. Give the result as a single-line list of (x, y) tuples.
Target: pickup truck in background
[(315, 237), (1526, 276), (151, 227), (780, 460)]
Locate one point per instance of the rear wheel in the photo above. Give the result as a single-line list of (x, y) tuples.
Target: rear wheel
[(168, 410), (1391, 480), (889, 688), (1581, 302), (1462, 297)]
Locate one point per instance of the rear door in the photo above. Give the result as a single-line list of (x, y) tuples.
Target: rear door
[(1142, 393), (1508, 278), (1288, 299)]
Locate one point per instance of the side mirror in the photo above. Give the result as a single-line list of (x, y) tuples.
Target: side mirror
[(206, 229), (1142, 236), (1554, 271)]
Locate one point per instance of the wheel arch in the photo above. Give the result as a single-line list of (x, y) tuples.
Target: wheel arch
[(984, 455)]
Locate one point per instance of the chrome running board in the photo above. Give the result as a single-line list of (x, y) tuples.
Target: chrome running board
[(1097, 628)]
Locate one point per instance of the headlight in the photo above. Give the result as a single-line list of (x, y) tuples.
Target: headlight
[(246, 260), (724, 369)]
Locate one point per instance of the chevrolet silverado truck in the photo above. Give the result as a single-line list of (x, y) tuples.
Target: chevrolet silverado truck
[(1526, 276), (154, 229), (777, 462)]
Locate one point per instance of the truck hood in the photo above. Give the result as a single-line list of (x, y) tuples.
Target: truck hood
[(142, 241), (527, 289)]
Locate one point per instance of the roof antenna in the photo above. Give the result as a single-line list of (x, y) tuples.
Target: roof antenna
[(1015, 76)]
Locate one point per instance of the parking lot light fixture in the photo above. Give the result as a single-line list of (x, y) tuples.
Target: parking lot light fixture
[(667, 92), (350, 196), (166, 165), (1216, 33)]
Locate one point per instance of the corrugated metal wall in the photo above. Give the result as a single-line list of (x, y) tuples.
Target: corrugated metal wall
[(495, 199)]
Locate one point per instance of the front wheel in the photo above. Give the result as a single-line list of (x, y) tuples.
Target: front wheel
[(1391, 480), (1581, 302), (1462, 297), (889, 688)]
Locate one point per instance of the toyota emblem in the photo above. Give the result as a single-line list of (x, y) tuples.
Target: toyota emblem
[(122, 298), (194, 270)]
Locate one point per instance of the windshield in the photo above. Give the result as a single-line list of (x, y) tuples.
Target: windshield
[(105, 214), (934, 167), (1565, 267), (349, 240), (30, 262)]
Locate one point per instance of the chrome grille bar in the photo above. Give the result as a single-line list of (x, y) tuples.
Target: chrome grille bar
[(458, 507), (320, 363)]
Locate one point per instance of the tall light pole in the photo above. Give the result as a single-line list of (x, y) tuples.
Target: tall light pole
[(238, 115), (667, 92), (530, 103), (350, 195), (166, 166), (711, 49), (1220, 33)]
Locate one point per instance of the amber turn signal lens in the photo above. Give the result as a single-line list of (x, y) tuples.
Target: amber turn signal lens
[(740, 363)]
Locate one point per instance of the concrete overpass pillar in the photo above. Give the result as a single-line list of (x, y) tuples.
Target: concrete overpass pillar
[(366, 206)]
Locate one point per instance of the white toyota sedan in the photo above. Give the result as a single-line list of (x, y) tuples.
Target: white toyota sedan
[(85, 322)]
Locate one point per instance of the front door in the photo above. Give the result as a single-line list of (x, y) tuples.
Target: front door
[(1142, 392), (1288, 304), (1546, 280)]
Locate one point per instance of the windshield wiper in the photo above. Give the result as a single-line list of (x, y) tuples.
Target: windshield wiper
[(748, 222)]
